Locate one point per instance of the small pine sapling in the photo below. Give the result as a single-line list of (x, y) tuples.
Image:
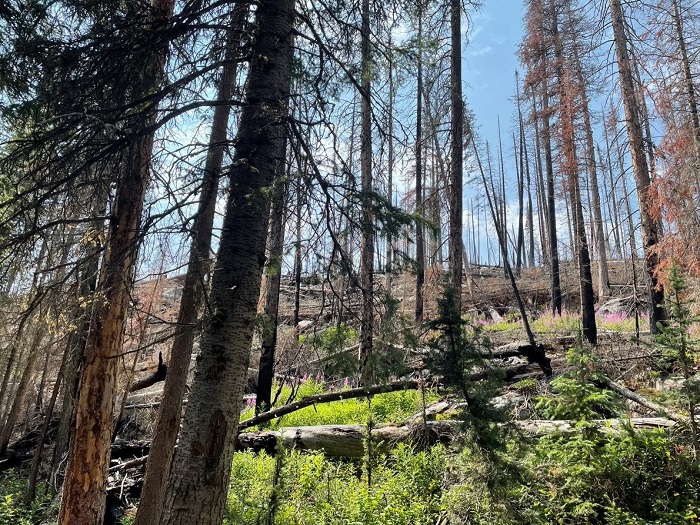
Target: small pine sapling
[(675, 338)]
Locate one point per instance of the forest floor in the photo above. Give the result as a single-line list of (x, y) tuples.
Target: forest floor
[(572, 476)]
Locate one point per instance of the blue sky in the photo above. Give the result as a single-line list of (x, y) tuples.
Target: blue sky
[(490, 62)]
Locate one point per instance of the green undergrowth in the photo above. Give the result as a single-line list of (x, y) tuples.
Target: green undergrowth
[(392, 407), (566, 324), (309, 489), (586, 477), (13, 511), (631, 478)]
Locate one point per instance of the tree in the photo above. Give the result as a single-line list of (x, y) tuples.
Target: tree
[(650, 225), (537, 62), (89, 451), (367, 217), (456, 148), (197, 486), (420, 242), (168, 423)]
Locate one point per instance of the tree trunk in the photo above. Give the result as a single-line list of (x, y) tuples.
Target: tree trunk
[(38, 454), (165, 434), (457, 139), (15, 409), (687, 75), (84, 487), (390, 170), (650, 225), (266, 370), (551, 206), (599, 230), (420, 241), (567, 126), (198, 482), (367, 217)]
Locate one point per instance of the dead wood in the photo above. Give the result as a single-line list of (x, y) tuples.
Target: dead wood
[(155, 377), (348, 441), (633, 396)]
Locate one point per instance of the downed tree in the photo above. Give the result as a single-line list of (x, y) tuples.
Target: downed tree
[(348, 441), (155, 377), (535, 353), (640, 400), (353, 393)]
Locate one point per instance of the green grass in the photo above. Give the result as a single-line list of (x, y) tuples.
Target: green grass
[(393, 407), (312, 489)]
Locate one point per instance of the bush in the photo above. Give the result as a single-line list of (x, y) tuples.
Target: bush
[(312, 489), (13, 510)]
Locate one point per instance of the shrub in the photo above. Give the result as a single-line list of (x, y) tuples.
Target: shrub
[(312, 489)]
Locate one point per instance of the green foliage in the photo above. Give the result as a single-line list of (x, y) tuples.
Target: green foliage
[(675, 338), (576, 395), (392, 407), (13, 510), (330, 344), (579, 478), (526, 386), (455, 353), (311, 489)]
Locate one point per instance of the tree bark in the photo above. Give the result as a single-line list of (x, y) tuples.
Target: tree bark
[(84, 487), (650, 225), (599, 230), (420, 241), (266, 370), (567, 128), (367, 217), (687, 75), (198, 482), (456, 161)]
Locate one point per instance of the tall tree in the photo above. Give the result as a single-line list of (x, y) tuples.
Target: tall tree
[(367, 218), (168, 423), (650, 225), (456, 148), (566, 88), (83, 499), (420, 241), (198, 482)]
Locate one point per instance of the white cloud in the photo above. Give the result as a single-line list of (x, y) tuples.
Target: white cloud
[(481, 52)]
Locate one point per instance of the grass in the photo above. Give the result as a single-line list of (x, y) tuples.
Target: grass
[(393, 407), (566, 324)]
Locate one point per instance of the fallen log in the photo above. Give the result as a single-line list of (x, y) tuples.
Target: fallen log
[(156, 377), (353, 393), (348, 441), (534, 354), (633, 396)]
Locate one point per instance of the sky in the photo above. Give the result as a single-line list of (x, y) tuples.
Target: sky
[(489, 64)]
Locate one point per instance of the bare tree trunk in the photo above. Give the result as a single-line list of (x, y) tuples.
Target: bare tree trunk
[(457, 139), (525, 166), (551, 206), (420, 241), (266, 370), (36, 460), (599, 230), (687, 75), (84, 487), (21, 392), (543, 211), (390, 170), (614, 211), (198, 481), (367, 218), (568, 139), (520, 173), (650, 225), (165, 434)]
